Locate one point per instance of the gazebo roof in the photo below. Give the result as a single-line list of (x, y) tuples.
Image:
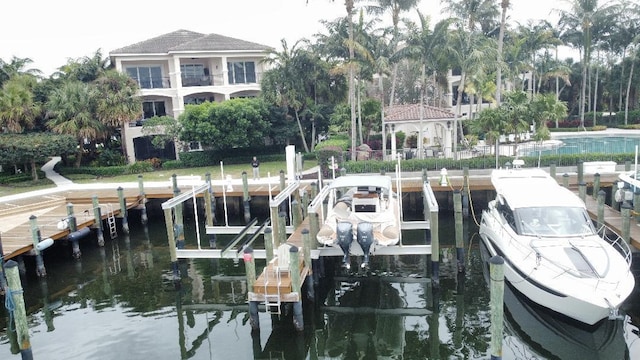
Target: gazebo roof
[(411, 112)]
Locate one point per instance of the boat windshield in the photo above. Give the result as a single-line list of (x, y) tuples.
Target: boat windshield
[(554, 221)]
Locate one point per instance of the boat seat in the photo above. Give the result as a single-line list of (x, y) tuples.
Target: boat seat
[(283, 258), (342, 210)]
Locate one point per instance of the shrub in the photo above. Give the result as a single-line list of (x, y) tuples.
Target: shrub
[(173, 164), (335, 141), (324, 158), (140, 167)]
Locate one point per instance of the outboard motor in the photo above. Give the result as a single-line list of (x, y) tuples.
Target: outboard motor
[(365, 239), (344, 236)]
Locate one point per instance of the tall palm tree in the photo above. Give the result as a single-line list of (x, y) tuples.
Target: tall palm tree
[(72, 111), (86, 69), (427, 47), (504, 4), (18, 109), (581, 17), (117, 102), (478, 15)]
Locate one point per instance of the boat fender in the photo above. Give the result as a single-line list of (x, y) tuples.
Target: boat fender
[(44, 244), (618, 195), (63, 224), (79, 234)]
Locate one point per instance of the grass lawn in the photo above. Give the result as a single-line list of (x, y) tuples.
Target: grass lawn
[(6, 190)]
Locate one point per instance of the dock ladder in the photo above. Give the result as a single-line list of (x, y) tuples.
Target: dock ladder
[(111, 221), (280, 265)]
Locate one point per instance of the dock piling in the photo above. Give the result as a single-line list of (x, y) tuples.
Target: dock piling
[(582, 191), (552, 169), (143, 201), (496, 270), (168, 219), (636, 203), (296, 216), (565, 180), (209, 208), (268, 243), (35, 235), (625, 211), (179, 221), (17, 309), (97, 214), (601, 196), (614, 189), (282, 229), (465, 192), (246, 198), (283, 185), (294, 270), (73, 227), (123, 210), (580, 171), (435, 248), (3, 280), (596, 184), (457, 205)]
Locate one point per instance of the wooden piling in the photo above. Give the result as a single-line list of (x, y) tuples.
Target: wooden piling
[(552, 169), (168, 220), (596, 184), (580, 171), (275, 225), (97, 214), (250, 267), (123, 210), (296, 285), (143, 201), (625, 212), (496, 270), (582, 191), (246, 198), (627, 165), (209, 209), (179, 219), (305, 203), (306, 247), (268, 243), (282, 229), (601, 196), (457, 205), (73, 227), (18, 309), (35, 235), (565, 180), (465, 191), (295, 211)]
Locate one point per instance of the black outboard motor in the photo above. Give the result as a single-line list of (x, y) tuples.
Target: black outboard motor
[(344, 235), (365, 239)]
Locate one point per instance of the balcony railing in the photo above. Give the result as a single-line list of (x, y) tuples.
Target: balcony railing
[(154, 83), (217, 80)]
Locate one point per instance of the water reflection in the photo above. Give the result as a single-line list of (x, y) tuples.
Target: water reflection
[(119, 301)]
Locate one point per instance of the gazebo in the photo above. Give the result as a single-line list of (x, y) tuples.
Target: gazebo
[(433, 127)]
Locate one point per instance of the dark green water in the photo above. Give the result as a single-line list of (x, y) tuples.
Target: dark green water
[(119, 302)]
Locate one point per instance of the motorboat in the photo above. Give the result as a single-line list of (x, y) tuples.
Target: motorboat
[(361, 207), (554, 254), (628, 183)]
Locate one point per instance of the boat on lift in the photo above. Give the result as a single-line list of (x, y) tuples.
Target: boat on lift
[(361, 207), (553, 252)]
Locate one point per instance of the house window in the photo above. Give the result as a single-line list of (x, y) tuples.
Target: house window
[(153, 108), (148, 77), (241, 72), (192, 70)]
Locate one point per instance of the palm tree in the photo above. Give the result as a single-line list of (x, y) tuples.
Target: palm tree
[(15, 67), (18, 109), (72, 111), (478, 15), (86, 69), (504, 4), (117, 102), (427, 47), (582, 17)]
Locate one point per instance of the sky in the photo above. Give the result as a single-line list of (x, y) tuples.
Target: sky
[(50, 32)]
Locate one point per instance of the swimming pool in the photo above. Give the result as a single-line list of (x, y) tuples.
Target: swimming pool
[(583, 145)]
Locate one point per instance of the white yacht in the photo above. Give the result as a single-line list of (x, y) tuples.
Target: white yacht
[(553, 253), (363, 207)]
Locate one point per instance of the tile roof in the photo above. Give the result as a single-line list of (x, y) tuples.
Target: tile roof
[(185, 40), (411, 112)]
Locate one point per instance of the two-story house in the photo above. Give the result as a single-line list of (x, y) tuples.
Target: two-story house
[(185, 67)]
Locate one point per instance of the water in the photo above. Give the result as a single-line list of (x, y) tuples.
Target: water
[(119, 302), (591, 144)]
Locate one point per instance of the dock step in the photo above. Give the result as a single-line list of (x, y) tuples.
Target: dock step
[(272, 304), (111, 221)]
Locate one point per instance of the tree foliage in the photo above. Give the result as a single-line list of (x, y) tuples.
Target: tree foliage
[(234, 123), (34, 148)]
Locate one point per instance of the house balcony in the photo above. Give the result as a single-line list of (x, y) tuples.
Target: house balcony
[(218, 80)]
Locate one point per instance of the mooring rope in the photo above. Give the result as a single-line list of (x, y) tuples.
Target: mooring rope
[(10, 305)]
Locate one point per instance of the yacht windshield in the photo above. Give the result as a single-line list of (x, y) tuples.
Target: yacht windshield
[(554, 221)]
